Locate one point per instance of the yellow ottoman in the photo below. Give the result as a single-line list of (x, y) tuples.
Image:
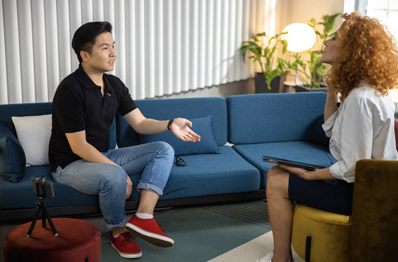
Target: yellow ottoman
[(329, 234)]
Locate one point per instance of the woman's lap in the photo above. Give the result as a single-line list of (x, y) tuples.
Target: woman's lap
[(329, 195)]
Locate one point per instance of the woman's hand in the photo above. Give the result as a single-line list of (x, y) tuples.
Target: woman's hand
[(319, 174), (180, 128), (129, 188)]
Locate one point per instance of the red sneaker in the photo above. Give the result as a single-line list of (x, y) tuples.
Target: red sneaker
[(125, 245), (149, 230)]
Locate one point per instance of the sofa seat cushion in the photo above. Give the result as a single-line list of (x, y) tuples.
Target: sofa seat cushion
[(209, 174), (21, 195), (301, 151)]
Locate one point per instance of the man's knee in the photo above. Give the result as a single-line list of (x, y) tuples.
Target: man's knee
[(115, 179), (165, 149)]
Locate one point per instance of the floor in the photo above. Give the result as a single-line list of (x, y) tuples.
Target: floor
[(228, 232), (252, 250)]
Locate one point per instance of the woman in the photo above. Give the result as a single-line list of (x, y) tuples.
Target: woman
[(364, 66)]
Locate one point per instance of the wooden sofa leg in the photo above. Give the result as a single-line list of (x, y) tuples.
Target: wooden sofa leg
[(307, 249)]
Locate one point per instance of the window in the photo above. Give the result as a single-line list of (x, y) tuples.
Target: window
[(386, 11)]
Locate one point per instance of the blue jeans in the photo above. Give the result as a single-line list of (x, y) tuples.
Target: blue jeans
[(153, 160)]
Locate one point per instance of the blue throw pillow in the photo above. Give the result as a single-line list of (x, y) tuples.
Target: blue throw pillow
[(12, 156), (202, 126)]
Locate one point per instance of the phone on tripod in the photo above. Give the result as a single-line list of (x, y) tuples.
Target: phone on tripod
[(42, 187)]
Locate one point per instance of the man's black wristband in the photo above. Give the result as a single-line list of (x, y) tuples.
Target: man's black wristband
[(169, 124)]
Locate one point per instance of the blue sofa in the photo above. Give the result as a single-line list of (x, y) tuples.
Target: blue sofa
[(225, 166)]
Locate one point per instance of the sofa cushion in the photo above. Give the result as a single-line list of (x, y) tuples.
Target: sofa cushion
[(315, 133), (202, 126), (33, 134), (263, 118), (26, 198), (12, 156), (300, 151), (27, 109), (190, 108), (209, 174), (32, 109)]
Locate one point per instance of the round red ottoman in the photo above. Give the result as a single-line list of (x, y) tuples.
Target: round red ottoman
[(77, 240)]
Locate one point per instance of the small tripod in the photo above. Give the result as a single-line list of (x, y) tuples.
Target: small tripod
[(43, 189)]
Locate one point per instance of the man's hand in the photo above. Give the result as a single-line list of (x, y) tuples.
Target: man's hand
[(129, 188), (180, 128)]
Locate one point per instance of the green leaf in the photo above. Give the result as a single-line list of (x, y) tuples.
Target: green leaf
[(261, 50)]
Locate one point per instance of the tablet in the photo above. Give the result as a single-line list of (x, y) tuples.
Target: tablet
[(285, 162)]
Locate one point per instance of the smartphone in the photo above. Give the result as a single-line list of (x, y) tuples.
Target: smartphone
[(42, 187)]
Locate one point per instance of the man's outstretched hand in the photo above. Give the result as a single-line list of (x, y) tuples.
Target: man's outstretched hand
[(181, 129)]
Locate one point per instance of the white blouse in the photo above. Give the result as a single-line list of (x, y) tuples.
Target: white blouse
[(361, 128)]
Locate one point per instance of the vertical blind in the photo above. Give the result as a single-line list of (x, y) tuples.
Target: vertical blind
[(164, 46)]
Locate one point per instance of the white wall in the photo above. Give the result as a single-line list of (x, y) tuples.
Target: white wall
[(303, 10)]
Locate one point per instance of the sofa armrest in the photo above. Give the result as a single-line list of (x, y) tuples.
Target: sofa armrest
[(374, 231)]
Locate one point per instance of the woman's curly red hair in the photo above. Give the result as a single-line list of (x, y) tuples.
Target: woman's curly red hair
[(366, 52)]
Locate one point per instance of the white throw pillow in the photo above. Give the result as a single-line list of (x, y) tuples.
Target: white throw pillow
[(33, 134)]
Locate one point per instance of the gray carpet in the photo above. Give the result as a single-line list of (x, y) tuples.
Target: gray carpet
[(200, 233)]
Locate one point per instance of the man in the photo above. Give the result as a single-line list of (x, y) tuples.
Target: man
[(84, 106)]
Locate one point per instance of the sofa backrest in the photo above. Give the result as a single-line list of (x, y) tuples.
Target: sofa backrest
[(27, 109), (262, 118), (41, 108), (163, 109)]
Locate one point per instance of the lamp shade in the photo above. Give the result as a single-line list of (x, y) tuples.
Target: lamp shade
[(299, 37)]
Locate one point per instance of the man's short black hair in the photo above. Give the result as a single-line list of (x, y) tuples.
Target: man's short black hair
[(85, 35)]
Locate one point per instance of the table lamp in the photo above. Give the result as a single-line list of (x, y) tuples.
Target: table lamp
[(299, 37)]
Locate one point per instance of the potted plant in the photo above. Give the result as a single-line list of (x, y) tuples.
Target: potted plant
[(311, 70), (262, 52)]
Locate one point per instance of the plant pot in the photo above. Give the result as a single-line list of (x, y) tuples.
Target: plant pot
[(302, 88), (261, 86)]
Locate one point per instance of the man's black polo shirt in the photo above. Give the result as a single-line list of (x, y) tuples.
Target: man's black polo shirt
[(79, 105)]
